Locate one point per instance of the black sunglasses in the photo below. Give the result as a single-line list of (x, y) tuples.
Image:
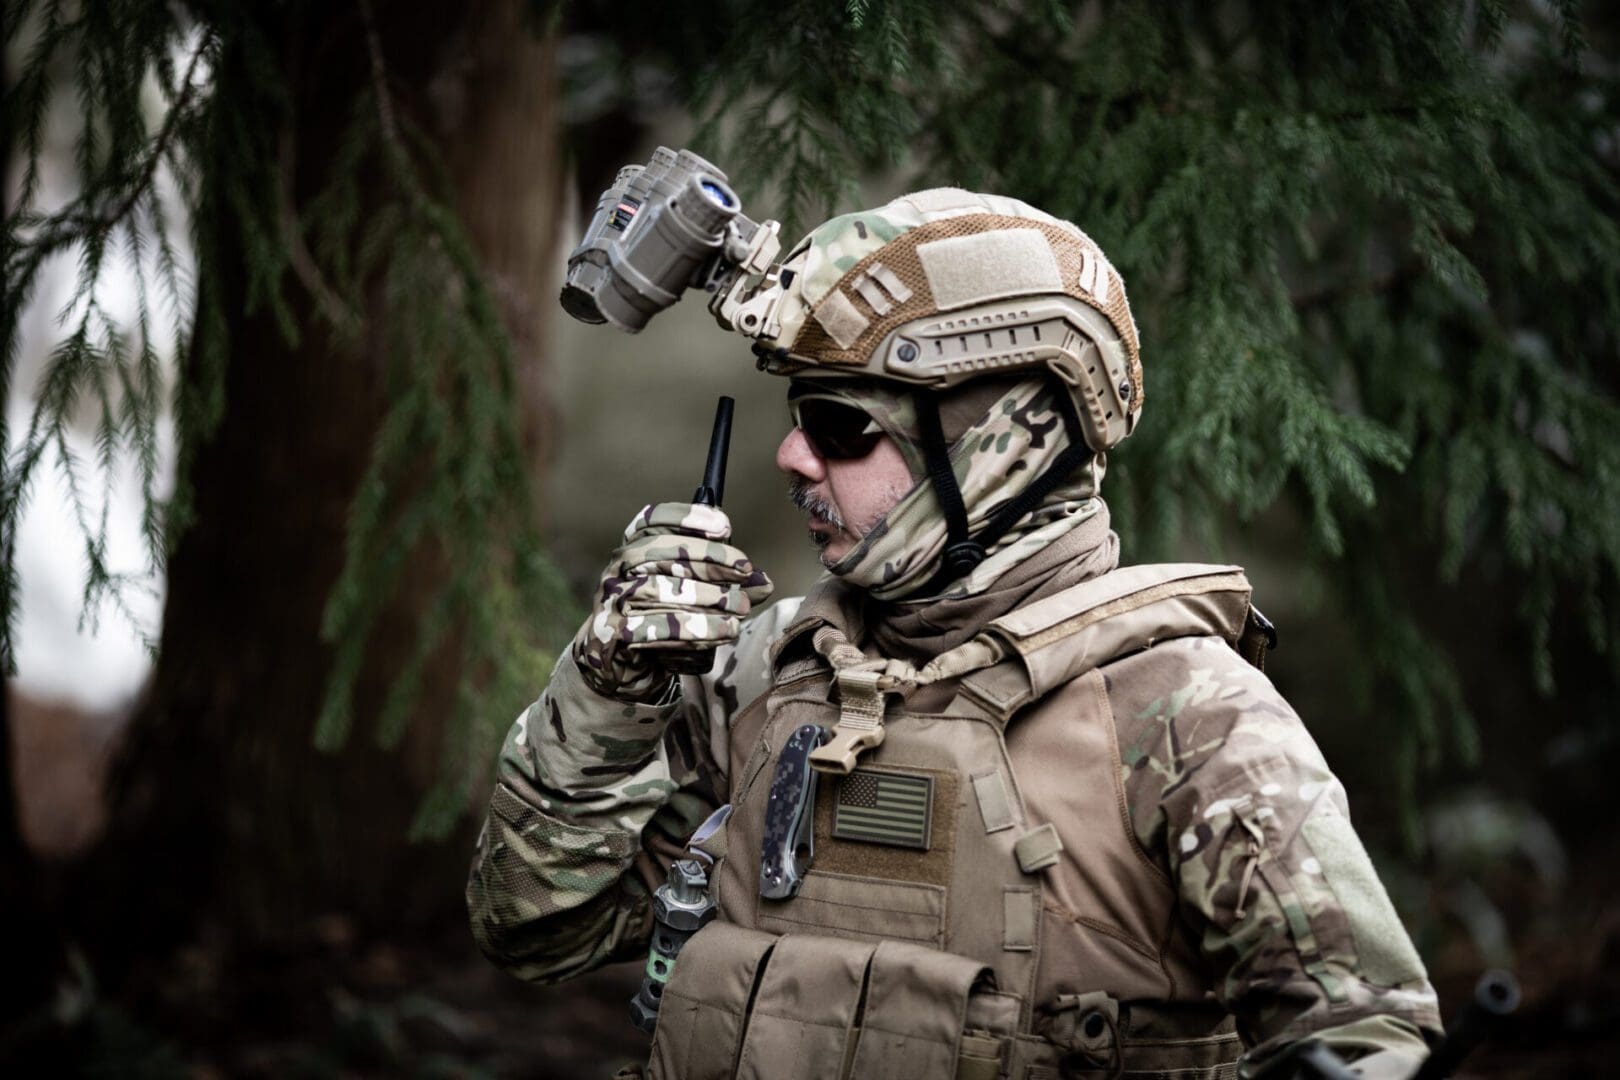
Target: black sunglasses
[(837, 432)]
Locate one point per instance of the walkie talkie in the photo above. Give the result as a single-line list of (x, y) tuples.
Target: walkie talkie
[(709, 493), (713, 488)]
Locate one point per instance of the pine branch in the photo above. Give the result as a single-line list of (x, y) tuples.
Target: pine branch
[(78, 222), (344, 319), (1303, 300), (449, 388), (398, 153)]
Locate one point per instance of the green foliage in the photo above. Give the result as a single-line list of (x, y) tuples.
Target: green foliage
[(447, 483), (1372, 247), (450, 390), (99, 367)]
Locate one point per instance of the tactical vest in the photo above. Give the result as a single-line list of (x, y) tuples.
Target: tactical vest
[(943, 929)]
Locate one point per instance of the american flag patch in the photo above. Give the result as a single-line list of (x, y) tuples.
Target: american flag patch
[(884, 808)]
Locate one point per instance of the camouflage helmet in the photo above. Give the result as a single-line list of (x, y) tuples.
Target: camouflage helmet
[(943, 286)]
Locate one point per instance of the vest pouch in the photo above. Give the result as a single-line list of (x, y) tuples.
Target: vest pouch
[(916, 1008), (747, 1004), (704, 1009), (806, 1009)]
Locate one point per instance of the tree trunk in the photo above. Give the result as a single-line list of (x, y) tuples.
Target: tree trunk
[(30, 938), (222, 797)]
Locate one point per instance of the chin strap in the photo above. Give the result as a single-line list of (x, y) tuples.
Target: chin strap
[(964, 552), (961, 552)]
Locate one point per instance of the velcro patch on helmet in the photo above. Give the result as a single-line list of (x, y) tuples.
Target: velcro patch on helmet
[(839, 316), (938, 200), (965, 270), (873, 294), (890, 281), (1094, 270)]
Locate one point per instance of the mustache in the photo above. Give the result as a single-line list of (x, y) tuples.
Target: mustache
[(800, 495)]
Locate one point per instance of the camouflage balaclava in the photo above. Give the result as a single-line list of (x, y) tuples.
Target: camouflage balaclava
[(1011, 442)]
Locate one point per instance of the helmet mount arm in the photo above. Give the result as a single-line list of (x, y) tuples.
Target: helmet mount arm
[(747, 282)]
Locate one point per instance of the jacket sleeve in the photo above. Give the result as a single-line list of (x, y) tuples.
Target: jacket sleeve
[(588, 789), (1230, 794)]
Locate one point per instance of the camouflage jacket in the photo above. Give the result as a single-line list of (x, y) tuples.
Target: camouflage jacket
[(1226, 793)]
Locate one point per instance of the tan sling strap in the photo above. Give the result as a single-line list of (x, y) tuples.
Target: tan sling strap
[(862, 683)]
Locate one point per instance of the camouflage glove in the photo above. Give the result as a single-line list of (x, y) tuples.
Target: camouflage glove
[(675, 585)]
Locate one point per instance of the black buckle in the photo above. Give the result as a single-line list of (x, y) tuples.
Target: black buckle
[(963, 556)]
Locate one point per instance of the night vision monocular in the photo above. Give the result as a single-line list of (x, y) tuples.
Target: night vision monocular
[(667, 226)]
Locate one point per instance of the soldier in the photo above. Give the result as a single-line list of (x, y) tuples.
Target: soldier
[(1064, 826)]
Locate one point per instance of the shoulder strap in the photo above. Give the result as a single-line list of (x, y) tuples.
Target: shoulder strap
[(1067, 634), (828, 603)]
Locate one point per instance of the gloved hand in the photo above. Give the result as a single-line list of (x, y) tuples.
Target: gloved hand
[(674, 586)]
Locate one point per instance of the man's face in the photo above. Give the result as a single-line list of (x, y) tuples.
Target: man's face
[(842, 497)]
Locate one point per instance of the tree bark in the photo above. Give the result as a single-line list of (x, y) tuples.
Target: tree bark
[(29, 937), (222, 797), (31, 941)]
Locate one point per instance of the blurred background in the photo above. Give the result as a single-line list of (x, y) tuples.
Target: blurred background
[(307, 478)]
